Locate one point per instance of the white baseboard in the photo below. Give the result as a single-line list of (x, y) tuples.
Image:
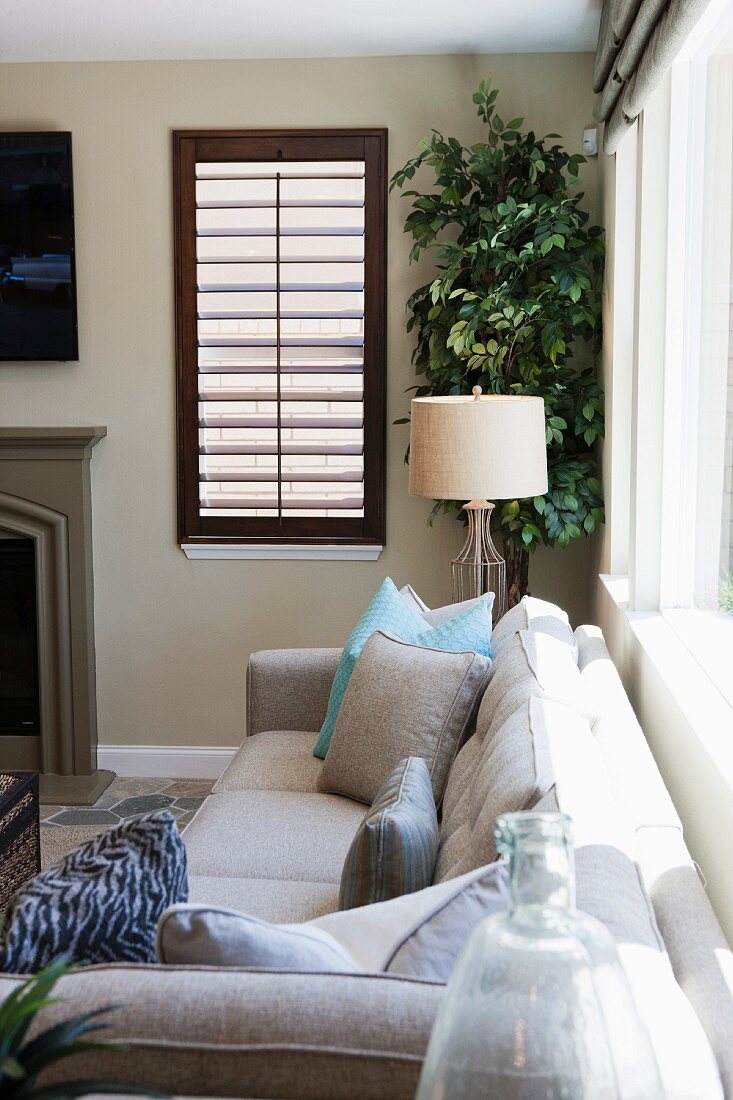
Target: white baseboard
[(164, 761)]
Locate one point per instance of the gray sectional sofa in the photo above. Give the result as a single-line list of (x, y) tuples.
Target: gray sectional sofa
[(268, 843)]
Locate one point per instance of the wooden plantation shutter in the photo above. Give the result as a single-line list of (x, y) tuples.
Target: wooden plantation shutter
[(281, 292)]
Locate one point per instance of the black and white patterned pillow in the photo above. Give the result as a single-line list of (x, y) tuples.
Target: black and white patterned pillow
[(101, 903)]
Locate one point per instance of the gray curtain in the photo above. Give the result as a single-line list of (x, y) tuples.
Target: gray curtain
[(637, 42)]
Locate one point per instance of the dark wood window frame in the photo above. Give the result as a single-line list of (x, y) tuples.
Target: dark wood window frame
[(190, 147)]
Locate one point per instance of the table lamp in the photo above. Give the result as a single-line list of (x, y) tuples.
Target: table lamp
[(479, 449)]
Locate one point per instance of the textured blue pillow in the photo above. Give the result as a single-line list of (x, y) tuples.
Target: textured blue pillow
[(469, 631), (387, 611), (102, 902)]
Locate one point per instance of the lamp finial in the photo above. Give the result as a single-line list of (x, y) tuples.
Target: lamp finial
[(477, 391)]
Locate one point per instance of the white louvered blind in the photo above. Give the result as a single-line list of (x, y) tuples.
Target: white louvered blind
[(280, 335)]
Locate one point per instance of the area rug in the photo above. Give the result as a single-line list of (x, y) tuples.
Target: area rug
[(57, 841)]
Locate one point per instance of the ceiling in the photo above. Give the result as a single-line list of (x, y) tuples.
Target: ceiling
[(118, 30)]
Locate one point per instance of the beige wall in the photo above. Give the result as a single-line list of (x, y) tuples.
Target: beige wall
[(173, 635)]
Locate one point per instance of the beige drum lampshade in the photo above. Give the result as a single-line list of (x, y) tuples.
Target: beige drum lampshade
[(486, 448)]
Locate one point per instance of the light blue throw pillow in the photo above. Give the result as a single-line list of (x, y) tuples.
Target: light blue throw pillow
[(387, 612), (469, 631)]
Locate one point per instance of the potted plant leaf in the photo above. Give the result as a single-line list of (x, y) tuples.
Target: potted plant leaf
[(515, 301)]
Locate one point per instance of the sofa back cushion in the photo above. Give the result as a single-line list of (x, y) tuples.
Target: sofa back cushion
[(402, 700), (532, 664), (537, 615), (543, 756)]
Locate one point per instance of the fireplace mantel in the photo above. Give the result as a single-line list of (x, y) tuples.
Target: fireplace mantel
[(45, 494), (49, 443)]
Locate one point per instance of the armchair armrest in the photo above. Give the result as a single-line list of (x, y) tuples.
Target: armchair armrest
[(202, 1031), (288, 689)]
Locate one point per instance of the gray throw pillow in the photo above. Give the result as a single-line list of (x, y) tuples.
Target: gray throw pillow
[(396, 845), (402, 700), (207, 935), (430, 948)]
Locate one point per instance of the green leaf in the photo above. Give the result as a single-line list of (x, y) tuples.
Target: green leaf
[(11, 1067)]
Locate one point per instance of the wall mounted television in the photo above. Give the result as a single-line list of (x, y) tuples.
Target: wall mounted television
[(37, 271)]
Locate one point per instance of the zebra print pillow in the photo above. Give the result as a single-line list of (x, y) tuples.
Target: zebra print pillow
[(101, 903)]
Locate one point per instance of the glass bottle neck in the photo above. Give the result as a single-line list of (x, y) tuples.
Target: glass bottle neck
[(541, 874)]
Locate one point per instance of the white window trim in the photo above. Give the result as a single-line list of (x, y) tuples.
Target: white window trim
[(281, 552), (650, 337), (654, 374), (618, 354), (701, 150), (653, 396)]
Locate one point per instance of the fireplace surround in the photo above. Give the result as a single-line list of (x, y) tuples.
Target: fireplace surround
[(45, 495)]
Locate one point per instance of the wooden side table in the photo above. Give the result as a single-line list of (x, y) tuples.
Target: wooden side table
[(20, 833)]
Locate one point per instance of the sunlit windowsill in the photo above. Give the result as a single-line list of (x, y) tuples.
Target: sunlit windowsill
[(275, 552), (668, 641), (708, 635)]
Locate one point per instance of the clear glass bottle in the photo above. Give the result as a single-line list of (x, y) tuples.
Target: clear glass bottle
[(538, 1006)]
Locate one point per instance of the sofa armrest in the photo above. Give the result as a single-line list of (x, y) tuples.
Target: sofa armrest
[(288, 689), (202, 1031)]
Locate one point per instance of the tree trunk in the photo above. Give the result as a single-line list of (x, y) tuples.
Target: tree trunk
[(517, 571)]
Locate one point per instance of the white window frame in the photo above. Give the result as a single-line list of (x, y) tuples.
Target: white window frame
[(653, 393)]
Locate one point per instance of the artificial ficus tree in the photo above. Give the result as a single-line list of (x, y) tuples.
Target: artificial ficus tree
[(516, 294)]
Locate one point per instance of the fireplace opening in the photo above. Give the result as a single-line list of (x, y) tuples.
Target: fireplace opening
[(19, 700)]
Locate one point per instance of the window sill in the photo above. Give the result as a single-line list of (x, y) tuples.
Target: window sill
[(708, 636), (706, 710), (273, 552)]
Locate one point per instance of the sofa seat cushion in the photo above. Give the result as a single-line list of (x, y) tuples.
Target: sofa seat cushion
[(278, 760), (272, 835), (274, 900)]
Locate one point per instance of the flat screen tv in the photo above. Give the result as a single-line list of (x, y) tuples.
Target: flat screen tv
[(37, 274)]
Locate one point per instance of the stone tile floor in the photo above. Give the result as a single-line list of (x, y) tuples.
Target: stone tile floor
[(125, 798)]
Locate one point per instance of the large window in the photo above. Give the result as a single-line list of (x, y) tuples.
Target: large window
[(281, 290), (671, 393)]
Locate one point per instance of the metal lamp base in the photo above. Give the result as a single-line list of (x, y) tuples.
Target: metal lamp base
[(479, 567)]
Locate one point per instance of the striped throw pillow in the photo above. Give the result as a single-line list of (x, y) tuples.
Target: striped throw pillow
[(395, 849)]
